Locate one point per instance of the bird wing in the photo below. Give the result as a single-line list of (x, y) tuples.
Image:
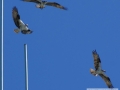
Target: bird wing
[(97, 61), (56, 5), (35, 1), (107, 80), (16, 16)]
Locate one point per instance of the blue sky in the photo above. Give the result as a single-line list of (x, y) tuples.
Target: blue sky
[(60, 47)]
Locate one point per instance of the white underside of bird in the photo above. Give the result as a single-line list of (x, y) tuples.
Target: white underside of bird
[(23, 27), (40, 5)]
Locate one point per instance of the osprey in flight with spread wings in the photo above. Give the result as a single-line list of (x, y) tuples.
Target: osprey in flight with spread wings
[(41, 4), (98, 70), (21, 26)]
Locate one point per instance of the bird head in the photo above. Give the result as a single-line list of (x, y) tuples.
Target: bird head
[(38, 5), (92, 71)]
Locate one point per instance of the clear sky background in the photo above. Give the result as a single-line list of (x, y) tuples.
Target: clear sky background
[(60, 47)]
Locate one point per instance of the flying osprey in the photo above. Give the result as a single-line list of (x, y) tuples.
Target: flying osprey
[(98, 70), (41, 4), (21, 26)]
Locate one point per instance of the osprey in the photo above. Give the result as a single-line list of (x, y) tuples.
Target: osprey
[(41, 4), (98, 70), (21, 26)]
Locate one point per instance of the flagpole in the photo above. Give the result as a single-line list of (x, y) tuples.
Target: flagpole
[(26, 67), (1, 46)]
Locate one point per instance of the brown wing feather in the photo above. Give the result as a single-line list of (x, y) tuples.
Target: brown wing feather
[(15, 16), (97, 60), (36, 1), (56, 5), (107, 80)]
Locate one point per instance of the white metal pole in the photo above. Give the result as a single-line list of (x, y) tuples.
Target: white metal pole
[(26, 67), (1, 45)]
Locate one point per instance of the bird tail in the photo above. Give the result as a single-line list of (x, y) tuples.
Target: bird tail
[(16, 30)]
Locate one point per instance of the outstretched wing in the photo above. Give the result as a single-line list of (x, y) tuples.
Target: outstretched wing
[(35, 1), (97, 61), (56, 5), (16, 16), (107, 81)]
